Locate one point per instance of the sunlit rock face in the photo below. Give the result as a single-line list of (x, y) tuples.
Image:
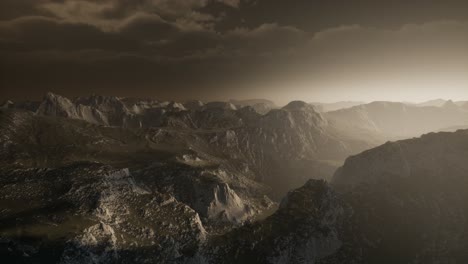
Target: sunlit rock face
[(56, 105), (91, 213), (111, 107), (131, 218), (95, 110), (305, 229), (209, 191)]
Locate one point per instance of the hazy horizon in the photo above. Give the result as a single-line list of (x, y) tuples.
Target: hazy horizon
[(223, 49), (276, 102)]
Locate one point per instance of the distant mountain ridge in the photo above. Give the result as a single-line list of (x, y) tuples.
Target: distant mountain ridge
[(439, 103), (327, 107), (399, 120)]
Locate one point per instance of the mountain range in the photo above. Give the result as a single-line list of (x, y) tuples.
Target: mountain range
[(395, 120), (102, 179)]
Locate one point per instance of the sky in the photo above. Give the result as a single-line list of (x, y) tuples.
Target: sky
[(280, 50)]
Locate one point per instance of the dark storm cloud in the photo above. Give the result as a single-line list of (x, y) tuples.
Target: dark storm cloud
[(42, 33), (218, 48)]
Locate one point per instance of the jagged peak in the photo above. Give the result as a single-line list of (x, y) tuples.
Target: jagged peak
[(295, 105), (51, 95), (176, 106), (54, 104), (298, 105), (56, 98), (296, 112)]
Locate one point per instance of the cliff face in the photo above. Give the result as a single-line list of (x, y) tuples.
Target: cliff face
[(432, 156), (409, 200)]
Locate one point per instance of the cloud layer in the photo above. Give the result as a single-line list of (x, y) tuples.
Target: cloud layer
[(190, 48)]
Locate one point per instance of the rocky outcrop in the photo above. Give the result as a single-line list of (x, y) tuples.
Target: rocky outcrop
[(305, 229), (225, 204), (56, 105), (209, 191)]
